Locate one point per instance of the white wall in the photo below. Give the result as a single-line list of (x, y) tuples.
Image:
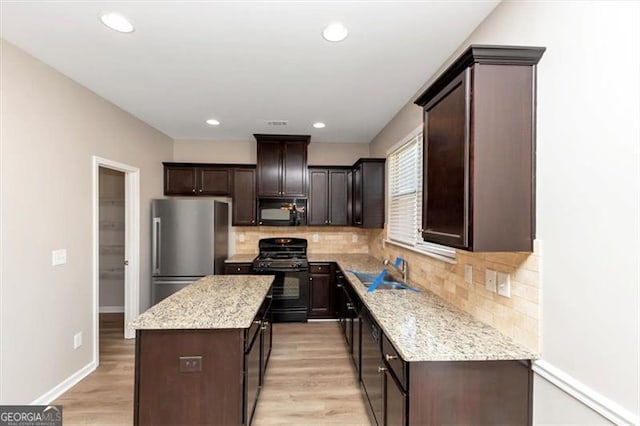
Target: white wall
[(51, 127), (588, 190)]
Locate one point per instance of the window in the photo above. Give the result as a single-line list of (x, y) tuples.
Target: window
[(405, 198)]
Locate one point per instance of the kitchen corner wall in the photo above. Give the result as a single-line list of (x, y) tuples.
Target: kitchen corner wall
[(331, 239), (517, 317)]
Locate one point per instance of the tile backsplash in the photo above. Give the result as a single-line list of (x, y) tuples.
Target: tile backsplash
[(517, 316), (330, 239)]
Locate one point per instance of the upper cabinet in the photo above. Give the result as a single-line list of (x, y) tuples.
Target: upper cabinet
[(244, 196), (328, 196), (282, 165), (479, 151), (368, 193), (196, 179)]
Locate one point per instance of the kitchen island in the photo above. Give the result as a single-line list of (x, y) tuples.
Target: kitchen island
[(201, 354)]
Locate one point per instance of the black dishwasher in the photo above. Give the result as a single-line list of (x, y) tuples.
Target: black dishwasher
[(372, 366)]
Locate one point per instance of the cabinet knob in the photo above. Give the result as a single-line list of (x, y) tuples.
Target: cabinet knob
[(253, 221), (201, 190), (326, 221), (390, 357), (310, 278), (329, 222), (238, 269), (381, 369), (193, 190)]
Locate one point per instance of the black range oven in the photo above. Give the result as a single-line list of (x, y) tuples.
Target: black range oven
[(286, 258)]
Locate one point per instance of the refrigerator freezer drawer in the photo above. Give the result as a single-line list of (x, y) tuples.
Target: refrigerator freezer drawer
[(165, 288)]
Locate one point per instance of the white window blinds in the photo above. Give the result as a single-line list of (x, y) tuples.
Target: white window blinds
[(405, 199), (405, 184)]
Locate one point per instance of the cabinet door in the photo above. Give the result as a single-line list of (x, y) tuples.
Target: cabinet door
[(269, 169), (238, 268), (320, 296), (214, 181), (338, 196), (267, 340), (357, 196), (179, 180), (446, 160), (318, 193), (395, 402), (252, 379), (294, 169), (244, 197)]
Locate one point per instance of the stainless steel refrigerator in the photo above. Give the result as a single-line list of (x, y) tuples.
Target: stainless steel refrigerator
[(189, 240)]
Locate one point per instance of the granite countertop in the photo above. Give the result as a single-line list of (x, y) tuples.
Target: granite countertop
[(423, 326), (213, 302), (241, 258)]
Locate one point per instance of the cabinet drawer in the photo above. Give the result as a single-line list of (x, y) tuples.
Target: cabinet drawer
[(394, 361), (238, 268), (320, 268)]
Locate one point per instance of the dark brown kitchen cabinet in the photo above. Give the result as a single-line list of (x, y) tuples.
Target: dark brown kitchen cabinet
[(238, 268), (368, 193), (479, 151), (328, 196), (282, 165), (244, 196), (395, 399), (321, 282), (197, 179)]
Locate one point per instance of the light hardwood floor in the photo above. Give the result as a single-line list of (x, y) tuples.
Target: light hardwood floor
[(310, 380)]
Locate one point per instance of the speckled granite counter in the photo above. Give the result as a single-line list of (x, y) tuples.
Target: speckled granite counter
[(241, 258), (423, 326), (213, 302)]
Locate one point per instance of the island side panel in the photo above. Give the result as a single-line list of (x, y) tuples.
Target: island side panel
[(470, 392), (166, 395)]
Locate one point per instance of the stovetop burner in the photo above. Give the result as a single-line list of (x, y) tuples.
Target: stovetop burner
[(281, 254)]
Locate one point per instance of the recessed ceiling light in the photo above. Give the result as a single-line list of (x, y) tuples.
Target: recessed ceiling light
[(213, 122), (116, 22), (335, 32), (319, 125)]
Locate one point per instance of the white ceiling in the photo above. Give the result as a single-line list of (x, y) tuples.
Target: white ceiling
[(244, 62)]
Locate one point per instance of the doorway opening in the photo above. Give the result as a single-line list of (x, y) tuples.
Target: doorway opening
[(116, 248)]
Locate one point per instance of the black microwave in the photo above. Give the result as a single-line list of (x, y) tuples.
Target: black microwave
[(282, 211)]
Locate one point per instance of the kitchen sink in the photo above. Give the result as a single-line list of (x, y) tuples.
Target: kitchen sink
[(367, 279)]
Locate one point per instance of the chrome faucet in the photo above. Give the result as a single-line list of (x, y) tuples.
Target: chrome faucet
[(402, 270)]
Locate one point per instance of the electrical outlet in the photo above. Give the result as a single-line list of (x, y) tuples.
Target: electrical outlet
[(468, 273), (504, 284), (241, 237), (190, 364), (58, 257), (354, 238), (316, 238), (77, 340), (490, 279)]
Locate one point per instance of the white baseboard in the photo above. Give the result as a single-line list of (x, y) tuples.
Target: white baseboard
[(65, 385), (586, 395), (111, 309)]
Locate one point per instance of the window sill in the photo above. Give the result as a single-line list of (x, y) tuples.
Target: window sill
[(423, 252)]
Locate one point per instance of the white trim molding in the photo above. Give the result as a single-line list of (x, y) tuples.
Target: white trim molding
[(65, 385), (111, 309), (586, 395), (131, 250)]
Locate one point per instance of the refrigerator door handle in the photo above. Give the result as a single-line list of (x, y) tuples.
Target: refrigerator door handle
[(155, 245)]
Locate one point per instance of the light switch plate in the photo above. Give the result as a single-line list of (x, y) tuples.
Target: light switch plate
[(504, 284), (490, 279), (77, 340), (316, 238), (468, 273), (354, 238), (58, 257)]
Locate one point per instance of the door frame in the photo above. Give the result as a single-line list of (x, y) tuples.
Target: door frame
[(131, 245)]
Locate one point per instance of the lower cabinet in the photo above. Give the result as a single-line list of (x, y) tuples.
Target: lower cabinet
[(252, 375), (238, 268), (401, 393), (321, 286)]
